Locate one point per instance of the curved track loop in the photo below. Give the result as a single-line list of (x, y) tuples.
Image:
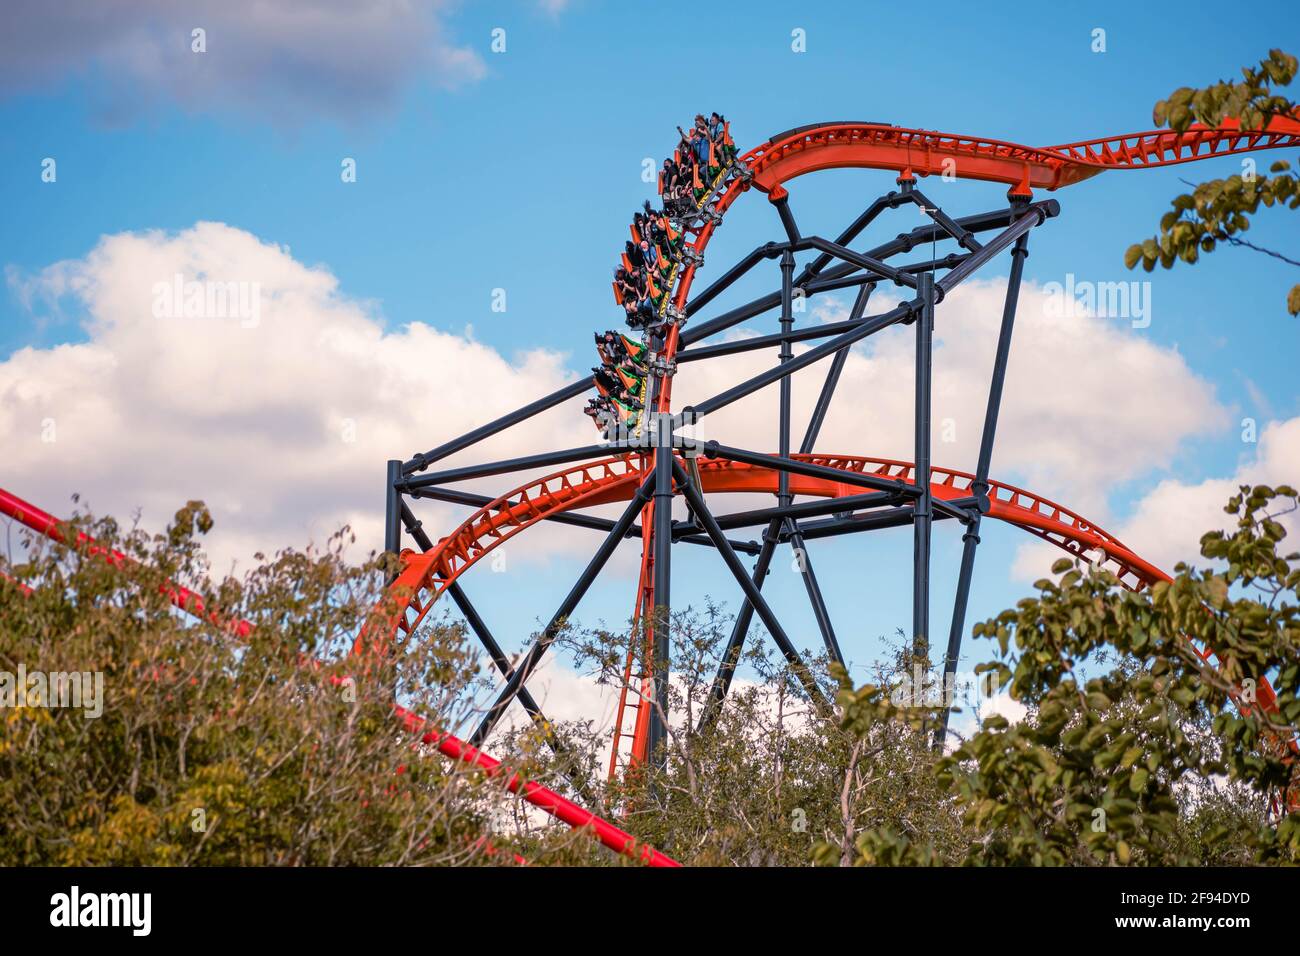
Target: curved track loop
[(910, 151), (925, 152), (425, 576)]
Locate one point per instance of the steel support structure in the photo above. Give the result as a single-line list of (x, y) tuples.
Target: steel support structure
[(921, 507), (884, 501), (662, 611), (519, 676)]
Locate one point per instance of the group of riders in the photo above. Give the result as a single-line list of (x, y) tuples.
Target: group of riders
[(643, 282)]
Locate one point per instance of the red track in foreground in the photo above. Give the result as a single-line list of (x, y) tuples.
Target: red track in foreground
[(186, 600)]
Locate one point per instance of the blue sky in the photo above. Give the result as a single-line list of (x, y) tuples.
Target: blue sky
[(519, 170)]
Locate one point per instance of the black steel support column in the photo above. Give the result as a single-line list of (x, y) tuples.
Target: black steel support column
[(393, 508), (662, 611), (815, 422), (783, 411), (771, 537), (787, 218), (820, 612), (535, 653), (922, 510), (980, 486), (784, 497)]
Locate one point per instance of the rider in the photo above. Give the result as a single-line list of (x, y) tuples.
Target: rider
[(722, 144), (624, 285), (697, 140), (601, 411), (616, 349)]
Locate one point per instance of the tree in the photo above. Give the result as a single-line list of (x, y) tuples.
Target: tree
[(201, 749), (771, 782), (1164, 758), (1219, 210), (1136, 749)]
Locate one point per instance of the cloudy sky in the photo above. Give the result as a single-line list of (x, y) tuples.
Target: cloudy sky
[(498, 151)]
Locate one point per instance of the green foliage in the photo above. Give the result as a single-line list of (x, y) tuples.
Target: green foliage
[(770, 782), (1135, 749), (214, 751), (1220, 210), (1251, 101)]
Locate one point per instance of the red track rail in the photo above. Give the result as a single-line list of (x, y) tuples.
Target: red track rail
[(925, 152), (42, 522)]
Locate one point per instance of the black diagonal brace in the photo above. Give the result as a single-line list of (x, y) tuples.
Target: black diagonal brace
[(544, 640), (761, 607)]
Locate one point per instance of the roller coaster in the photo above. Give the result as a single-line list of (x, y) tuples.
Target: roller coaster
[(646, 461), (656, 460)]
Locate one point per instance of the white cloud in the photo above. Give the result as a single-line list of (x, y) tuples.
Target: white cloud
[(1167, 523), (149, 412), (285, 61), (1003, 705)]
